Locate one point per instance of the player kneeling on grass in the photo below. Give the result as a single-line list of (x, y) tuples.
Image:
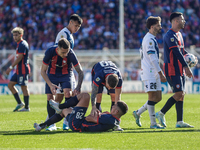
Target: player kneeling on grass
[(76, 116)]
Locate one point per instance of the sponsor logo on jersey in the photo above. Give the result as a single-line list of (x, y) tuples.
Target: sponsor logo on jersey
[(172, 39)]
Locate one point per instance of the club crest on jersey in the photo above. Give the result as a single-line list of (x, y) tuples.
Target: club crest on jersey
[(178, 86), (172, 39), (97, 79), (62, 36), (150, 43), (64, 61)]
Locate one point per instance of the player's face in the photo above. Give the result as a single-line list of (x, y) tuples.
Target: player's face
[(181, 22), (17, 37), (157, 27), (75, 26), (62, 52), (114, 109)]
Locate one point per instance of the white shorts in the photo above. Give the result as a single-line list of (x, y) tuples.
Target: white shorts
[(152, 85)]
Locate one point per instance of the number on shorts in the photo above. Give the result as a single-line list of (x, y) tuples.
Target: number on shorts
[(153, 86), (79, 115)]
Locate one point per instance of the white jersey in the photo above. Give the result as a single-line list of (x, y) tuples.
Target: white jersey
[(149, 46), (65, 33)]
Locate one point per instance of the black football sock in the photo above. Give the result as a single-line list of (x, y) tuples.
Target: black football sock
[(26, 101), (55, 118), (50, 110), (179, 110), (113, 103), (171, 101), (98, 105), (17, 98), (71, 102)]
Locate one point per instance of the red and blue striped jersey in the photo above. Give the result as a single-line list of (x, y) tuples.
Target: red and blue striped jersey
[(23, 66), (58, 65), (173, 54), (102, 69)]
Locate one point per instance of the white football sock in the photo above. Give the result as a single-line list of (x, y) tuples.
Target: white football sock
[(142, 109), (151, 110)]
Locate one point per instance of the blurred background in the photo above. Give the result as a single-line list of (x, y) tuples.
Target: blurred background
[(98, 38)]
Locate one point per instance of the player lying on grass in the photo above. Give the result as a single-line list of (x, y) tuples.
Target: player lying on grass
[(76, 116)]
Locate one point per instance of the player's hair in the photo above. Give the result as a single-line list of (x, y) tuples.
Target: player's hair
[(151, 20), (123, 107), (174, 15), (76, 17), (63, 43), (113, 80), (18, 30)]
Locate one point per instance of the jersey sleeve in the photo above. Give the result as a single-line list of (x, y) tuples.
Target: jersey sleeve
[(108, 119), (21, 49), (150, 47), (73, 58), (47, 57), (119, 85)]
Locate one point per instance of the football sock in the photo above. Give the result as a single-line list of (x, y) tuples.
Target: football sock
[(98, 105), (113, 103), (171, 101), (17, 98), (65, 121), (73, 101), (151, 110), (55, 118), (142, 109), (50, 110), (26, 101), (179, 110)]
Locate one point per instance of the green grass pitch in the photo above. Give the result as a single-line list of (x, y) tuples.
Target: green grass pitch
[(16, 128)]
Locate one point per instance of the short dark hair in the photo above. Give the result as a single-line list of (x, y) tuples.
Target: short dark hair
[(113, 80), (123, 106), (152, 21), (63, 43), (174, 15), (76, 17)]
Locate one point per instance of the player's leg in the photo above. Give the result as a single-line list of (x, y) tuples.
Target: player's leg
[(11, 85), (26, 98)]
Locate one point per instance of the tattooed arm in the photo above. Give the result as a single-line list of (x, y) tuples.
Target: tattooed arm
[(94, 93), (79, 70)]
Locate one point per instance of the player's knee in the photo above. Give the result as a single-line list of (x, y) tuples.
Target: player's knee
[(86, 96), (68, 94)]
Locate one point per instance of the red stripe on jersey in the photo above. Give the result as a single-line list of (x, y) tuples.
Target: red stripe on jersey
[(118, 87), (173, 47), (65, 66), (108, 74), (76, 65), (45, 63), (86, 125), (23, 66), (29, 69), (96, 84), (53, 64), (171, 69)]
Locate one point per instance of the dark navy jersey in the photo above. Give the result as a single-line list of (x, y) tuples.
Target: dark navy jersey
[(104, 123), (57, 64), (173, 54), (102, 69), (23, 66)]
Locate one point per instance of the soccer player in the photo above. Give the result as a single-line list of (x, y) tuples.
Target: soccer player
[(174, 68), (58, 60), (93, 123), (151, 73), (22, 70), (105, 74), (74, 25)]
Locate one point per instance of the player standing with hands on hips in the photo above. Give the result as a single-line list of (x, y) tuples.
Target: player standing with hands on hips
[(151, 73), (22, 70), (174, 68)]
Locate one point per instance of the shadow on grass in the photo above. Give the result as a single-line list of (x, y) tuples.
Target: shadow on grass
[(126, 130)]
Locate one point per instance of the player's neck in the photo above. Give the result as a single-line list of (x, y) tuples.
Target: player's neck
[(175, 29), (152, 33), (69, 29)]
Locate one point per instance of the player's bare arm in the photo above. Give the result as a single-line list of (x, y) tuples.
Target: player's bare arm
[(79, 70), (162, 77), (118, 92), (94, 93), (46, 78), (19, 58), (188, 72)]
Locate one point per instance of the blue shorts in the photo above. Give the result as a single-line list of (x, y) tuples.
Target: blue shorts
[(177, 83), (64, 80), (76, 118), (21, 79)]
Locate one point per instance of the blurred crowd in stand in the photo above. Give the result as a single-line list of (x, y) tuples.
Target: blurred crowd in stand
[(43, 19)]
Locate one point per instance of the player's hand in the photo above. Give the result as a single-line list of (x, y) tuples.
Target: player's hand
[(91, 118), (188, 72), (162, 77), (8, 71), (53, 88), (76, 92), (196, 60), (94, 111)]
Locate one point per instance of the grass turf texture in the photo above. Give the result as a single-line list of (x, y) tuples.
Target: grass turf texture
[(16, 128)]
